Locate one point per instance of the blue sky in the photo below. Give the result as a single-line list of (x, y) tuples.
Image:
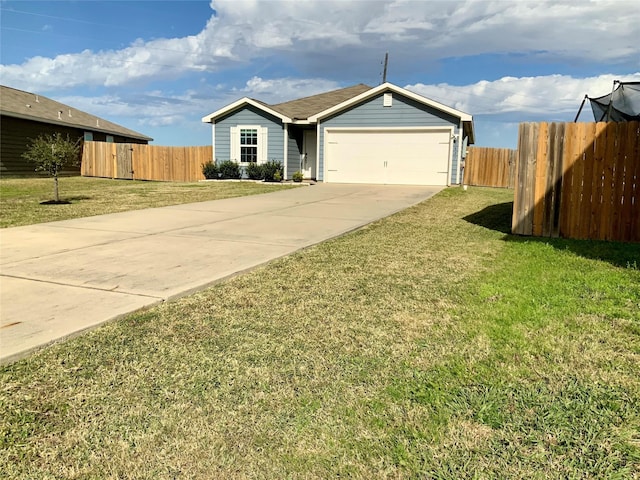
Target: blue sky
[(158, 67)]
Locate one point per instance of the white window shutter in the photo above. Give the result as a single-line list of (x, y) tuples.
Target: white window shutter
[(263, 144), (234, 147)]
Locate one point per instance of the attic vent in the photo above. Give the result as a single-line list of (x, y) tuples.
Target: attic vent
[(97, 122), (28, 105), (37, 99), (69, 112), (59, 114), (387, 100)]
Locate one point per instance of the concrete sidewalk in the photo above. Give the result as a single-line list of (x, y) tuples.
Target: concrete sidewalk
[(60, 278)]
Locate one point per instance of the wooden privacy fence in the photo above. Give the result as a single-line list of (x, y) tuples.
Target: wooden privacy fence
[(490, 167), (144, 162), (578, 180)]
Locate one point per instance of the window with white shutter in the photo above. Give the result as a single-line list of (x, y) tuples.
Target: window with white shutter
[(249, 144)]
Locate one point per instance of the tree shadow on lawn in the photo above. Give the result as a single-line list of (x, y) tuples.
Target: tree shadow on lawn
[(79, 197), (65, 200), (498, 218)]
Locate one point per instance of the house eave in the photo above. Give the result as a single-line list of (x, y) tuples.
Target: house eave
[(472, 131), (239, 104), (74, 125)]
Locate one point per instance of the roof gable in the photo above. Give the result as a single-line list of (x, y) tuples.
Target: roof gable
[(31, 106), (241, 103), (385, 87)]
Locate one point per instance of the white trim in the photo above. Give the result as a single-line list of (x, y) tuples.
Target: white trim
[(450, 166), (239, 103), (234, 144), (328, 130), (286, 149), (460, 141), (318, 153), (389, 86), (263, 145), (359, 129), (213, 142)]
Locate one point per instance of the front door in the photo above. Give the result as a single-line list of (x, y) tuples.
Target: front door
[(309, 144)]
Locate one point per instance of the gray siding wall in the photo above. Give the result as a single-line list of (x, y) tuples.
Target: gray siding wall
[(249, 115), (404, 112), (294, 148)]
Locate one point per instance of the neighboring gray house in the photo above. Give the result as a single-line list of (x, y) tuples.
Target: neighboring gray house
[(383, 135)]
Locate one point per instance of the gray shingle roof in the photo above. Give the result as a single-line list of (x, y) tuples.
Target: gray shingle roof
[(303, 108), (31, 106)]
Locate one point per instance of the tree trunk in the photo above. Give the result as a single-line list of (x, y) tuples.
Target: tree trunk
[(55, 188)]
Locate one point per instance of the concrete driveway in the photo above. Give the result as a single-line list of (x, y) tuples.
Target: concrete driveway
[(60, 278)]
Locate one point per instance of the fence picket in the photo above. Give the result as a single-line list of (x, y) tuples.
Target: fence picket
[(579, 180), (607, 181), (540, 180), (597, 183)]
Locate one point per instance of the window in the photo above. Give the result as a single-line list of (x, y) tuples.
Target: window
[(88, 136), (249, 145), (110, 138)]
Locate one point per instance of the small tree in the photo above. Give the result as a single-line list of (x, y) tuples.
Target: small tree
[(51, 153)]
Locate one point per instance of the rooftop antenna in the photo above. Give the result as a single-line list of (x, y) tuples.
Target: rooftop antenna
[(384, 72)]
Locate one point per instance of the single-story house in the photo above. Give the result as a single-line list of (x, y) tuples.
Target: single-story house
[(381, 135), (25, 116)]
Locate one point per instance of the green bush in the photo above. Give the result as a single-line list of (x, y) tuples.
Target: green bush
[(229, 169), (273, 171), (254, 171), (297, 176), (210, 170)]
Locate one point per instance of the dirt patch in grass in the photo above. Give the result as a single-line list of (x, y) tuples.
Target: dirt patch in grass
[(423, 346)]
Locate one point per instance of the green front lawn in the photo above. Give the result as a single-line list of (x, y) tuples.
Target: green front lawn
[(428, 345), (20, 197)]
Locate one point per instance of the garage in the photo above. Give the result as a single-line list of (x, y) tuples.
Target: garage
[(400, 156)]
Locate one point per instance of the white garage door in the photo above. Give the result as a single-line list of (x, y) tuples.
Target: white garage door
[(392, 156)]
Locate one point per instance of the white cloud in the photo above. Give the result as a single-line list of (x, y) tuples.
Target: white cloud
[(152, 108), (284, 89), (551, 96), (335, 34)]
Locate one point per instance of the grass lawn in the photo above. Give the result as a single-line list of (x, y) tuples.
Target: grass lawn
[(428, 345), (21, 197)]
